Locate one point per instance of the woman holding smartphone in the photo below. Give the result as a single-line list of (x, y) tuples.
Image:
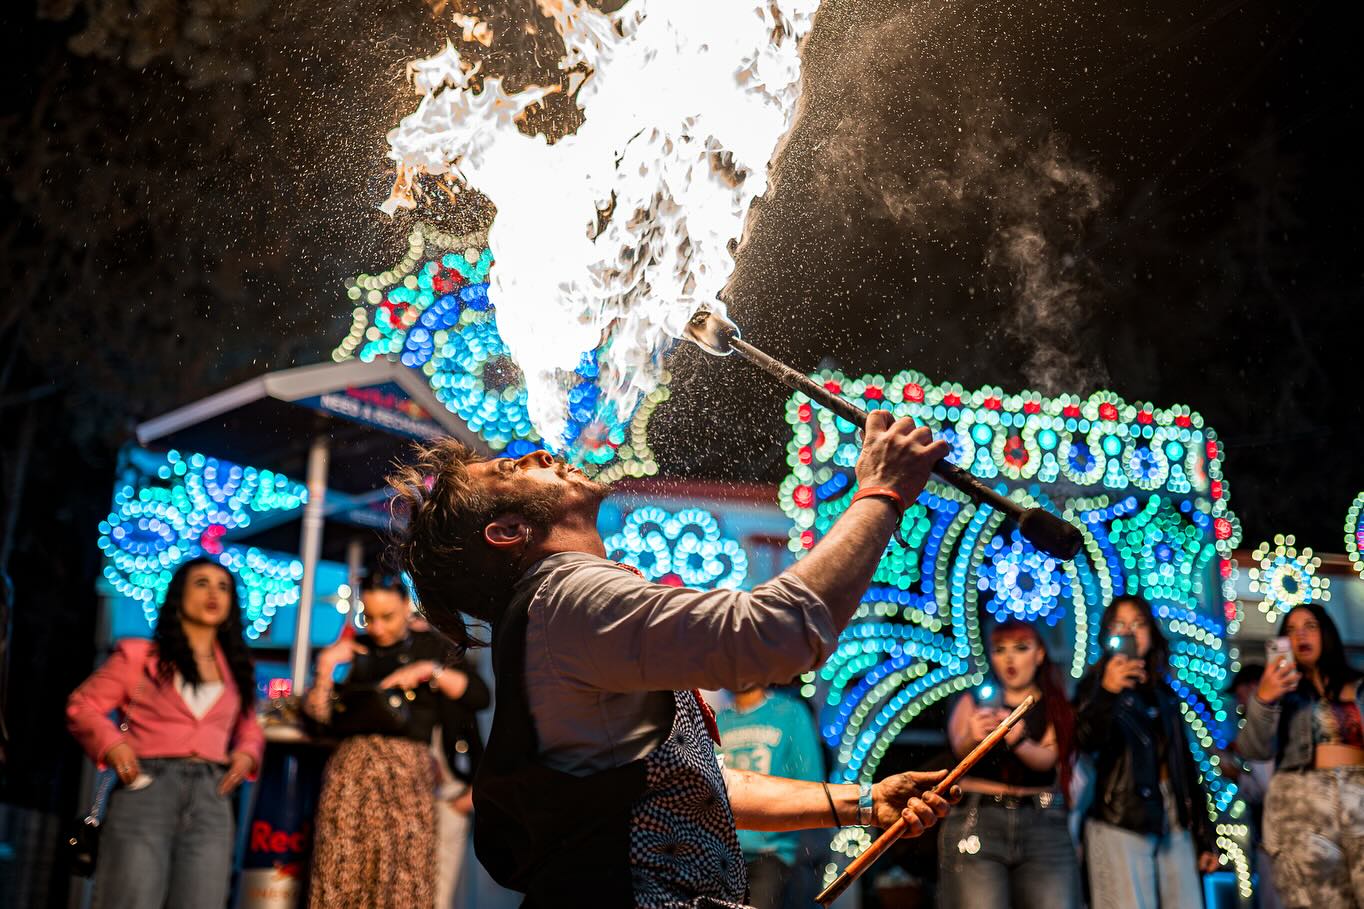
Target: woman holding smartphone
[(1147, 835), (1305, 715), (1009, 840)]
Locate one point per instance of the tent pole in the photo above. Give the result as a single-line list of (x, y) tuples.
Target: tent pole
[(310, 549)]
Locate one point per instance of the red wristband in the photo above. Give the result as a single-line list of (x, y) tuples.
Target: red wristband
[(885, 492)]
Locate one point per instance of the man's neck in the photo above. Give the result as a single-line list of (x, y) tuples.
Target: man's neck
[(571, 534)]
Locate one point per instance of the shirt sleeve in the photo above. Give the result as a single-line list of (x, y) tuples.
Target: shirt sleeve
[(249, 739), (609, 629), (89, 706), (1258, 740)]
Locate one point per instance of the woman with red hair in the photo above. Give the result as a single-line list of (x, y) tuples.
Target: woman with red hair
[(1009, 843)]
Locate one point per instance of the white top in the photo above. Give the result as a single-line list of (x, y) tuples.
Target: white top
[(198, 699), (605, 649)]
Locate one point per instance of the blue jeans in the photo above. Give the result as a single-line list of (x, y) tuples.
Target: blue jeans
[(1007, 852), (1139, 871), (169, 844)]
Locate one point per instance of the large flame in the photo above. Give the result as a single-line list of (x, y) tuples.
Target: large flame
[(611, 238)]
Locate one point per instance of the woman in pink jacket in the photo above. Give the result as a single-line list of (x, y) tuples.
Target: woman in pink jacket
[(185, 738)]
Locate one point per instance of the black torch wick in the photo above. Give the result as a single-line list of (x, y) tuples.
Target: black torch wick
[(1044, 530)]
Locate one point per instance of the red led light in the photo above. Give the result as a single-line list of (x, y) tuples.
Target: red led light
[(1108, 412), (914, 393), (212, 539)]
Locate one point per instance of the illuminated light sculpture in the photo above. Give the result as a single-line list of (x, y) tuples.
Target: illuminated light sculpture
[(430, 312), (183, 509), (681, 549), (1144, 484), (1354, 534), (1287, 577)]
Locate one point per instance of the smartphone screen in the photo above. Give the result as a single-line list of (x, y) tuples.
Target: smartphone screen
[(989, 695), (1124, 644)]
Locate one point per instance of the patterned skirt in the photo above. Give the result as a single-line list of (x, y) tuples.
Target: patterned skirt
[(375, 839)]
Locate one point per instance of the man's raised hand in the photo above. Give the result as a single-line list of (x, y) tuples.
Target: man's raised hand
[(897, 454)]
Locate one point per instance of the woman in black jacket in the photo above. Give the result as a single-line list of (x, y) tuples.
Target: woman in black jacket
[(1147, 834), (375, 831)]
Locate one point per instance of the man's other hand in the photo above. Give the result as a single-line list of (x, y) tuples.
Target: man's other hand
[(910, 795)]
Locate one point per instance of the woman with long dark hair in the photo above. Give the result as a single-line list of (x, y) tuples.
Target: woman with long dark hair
[(1306, 716), (1008, 843), (188, 737), (1147, 835), (376, 820)]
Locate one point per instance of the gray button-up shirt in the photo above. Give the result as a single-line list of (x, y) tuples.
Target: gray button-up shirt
[(605, 649)]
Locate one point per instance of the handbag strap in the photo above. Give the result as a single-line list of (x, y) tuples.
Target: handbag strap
[(102, 790)]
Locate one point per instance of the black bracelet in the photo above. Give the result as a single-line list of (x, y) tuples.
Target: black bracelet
[(833, 812)]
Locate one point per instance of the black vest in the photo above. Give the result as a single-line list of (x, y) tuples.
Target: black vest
[(657, 831)]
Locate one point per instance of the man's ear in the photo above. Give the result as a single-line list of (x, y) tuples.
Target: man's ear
[(507, 531)]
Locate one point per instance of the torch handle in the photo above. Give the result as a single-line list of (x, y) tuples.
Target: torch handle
[(892, 833), (946, 470)]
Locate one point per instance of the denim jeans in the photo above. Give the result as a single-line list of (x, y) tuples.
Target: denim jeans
[(1009, 852), (1139, 871), (169, 844)]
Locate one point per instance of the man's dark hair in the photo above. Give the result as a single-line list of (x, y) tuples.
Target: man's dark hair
[(437, 537)]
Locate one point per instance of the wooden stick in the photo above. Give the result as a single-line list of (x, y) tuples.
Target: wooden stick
[(896, 830)]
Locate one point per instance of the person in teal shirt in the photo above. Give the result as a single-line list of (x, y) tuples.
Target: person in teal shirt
[(769, 732)]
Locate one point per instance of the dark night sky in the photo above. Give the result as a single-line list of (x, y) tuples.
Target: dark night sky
[(1161, 198), (1156, 198)]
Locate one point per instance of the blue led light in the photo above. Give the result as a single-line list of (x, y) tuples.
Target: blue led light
[(183, 508)]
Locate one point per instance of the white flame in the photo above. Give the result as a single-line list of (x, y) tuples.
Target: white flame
[(684, 104)]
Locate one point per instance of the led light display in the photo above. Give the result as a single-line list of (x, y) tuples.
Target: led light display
[(1354, 534), (431, 312), (1144, 485), (680, 549), (1287, 577), (182, 507)]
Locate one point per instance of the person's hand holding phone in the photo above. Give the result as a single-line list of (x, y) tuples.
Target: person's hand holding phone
[(1123, 672), (1281, 676), (983, 722)]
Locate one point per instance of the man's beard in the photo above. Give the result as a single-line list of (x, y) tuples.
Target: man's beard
[(547, 507), (597, 491)]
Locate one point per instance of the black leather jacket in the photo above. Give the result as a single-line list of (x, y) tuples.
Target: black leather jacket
[(1122, 733)]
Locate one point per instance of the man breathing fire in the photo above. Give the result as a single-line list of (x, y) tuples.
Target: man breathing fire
[(600, 784)]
